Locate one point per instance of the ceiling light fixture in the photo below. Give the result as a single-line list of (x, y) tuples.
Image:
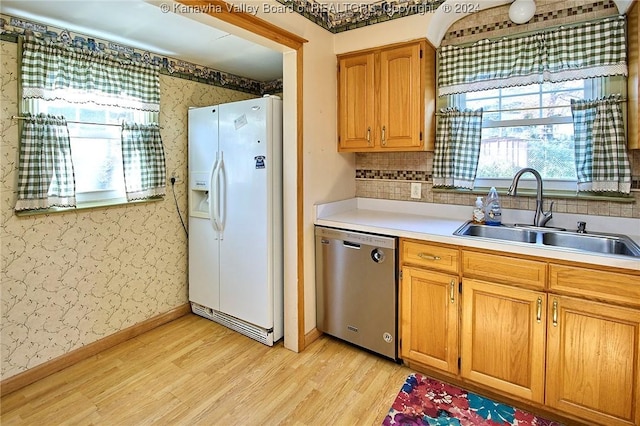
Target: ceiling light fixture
[(521, 11)]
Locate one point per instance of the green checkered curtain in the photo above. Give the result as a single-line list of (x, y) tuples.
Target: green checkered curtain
[(457, 149), (45, 173), (586, 50), (143, 161), (602, 163), (54, 71)]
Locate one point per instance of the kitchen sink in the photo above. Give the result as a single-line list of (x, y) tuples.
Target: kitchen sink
[(501, 233), (610, 244), (554, 237)]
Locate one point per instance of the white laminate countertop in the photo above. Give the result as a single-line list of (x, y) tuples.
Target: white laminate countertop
[(438, 222)]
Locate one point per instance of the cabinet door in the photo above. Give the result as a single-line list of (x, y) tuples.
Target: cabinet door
[(401, 97), (356, 102), (593, 360), (503, 338), (429, 318)]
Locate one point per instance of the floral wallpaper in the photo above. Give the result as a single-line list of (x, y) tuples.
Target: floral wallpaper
[(70, 279)]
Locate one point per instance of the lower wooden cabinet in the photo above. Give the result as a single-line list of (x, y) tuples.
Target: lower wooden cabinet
[(593, 360), (562, 336), (503, 338), (429, 318)]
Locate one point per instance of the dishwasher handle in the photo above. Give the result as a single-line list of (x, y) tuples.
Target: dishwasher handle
[(349, 244)]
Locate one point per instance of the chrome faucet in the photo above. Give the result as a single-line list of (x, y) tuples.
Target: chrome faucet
[(540, 218)]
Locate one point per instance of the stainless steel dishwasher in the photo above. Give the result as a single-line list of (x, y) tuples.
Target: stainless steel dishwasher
[(356, 289)]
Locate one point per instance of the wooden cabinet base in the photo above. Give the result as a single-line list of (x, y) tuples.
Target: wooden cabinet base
[(562, 337)]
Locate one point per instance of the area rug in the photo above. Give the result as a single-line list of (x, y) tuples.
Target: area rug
[(425, 401)]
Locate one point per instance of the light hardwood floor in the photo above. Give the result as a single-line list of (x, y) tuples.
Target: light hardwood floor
[(194, 371)]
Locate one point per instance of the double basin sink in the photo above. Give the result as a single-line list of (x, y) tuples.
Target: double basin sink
[(553, 237)]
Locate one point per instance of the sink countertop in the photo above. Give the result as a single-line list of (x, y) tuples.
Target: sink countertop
[(438, 222)]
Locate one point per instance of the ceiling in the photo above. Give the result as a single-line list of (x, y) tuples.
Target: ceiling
[(159, 27), (148, 26)]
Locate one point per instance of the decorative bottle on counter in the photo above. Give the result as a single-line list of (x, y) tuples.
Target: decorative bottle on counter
[(493, 212), (478, 211)]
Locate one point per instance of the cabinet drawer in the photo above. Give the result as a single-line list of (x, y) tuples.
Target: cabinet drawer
[(503, 269), (601, 285), (430, 256)]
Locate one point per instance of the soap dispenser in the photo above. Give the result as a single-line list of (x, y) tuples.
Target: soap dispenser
[(493, 211), (478, 211)]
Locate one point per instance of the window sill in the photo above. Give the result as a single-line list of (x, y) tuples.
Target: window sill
[(86, 206), (526, 192)]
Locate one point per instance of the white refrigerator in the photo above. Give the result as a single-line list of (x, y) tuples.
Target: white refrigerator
[(235, 216)]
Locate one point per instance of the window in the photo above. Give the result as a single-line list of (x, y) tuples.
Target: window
[(527, 126), (90, 133), (550, 100), (96, 151), (530, 126)]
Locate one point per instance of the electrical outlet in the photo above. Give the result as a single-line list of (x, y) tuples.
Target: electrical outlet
[(175, 176), (416, 190)]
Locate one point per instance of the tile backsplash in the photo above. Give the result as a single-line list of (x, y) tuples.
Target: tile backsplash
[(494, 22), (389, 176)]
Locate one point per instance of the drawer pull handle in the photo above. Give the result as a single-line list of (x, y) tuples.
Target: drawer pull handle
[(555, 313), (369, 135), (427, 256), (452, 291), (539, 310), (384, 135)]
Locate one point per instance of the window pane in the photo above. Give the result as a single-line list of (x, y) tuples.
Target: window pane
[(97, 165), (548, 149), (527, 126)]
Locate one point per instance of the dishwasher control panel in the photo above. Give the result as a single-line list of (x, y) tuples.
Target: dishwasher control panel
[(356, 237)]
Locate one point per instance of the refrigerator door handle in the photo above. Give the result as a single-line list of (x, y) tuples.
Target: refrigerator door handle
[(222, 195), (214, 202)]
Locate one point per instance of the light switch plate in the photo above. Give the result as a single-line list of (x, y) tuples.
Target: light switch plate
[(416, 190)]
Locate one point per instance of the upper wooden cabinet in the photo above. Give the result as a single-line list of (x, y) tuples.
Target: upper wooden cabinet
[(633, 89), (386, 98)]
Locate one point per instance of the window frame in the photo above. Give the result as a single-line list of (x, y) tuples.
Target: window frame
[(96, 198), (592, 88)]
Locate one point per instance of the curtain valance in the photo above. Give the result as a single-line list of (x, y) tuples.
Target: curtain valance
[(586, 50), (53, 71)]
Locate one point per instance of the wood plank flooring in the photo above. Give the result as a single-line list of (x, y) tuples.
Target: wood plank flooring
[(193, 371)]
